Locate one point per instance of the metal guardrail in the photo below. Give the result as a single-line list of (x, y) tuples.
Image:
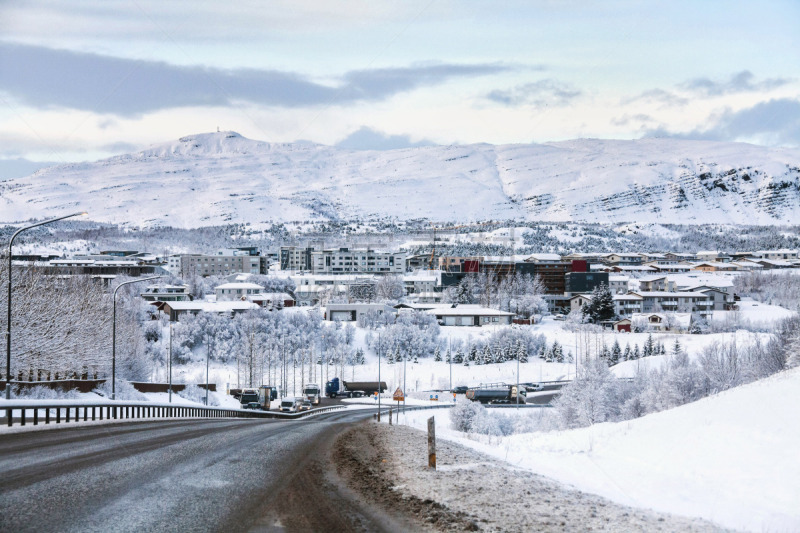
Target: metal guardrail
[(135, 410)]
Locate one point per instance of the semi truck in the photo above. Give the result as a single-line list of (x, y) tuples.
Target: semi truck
[(353, 389), (312, 393), (506, 394), (249, 398)]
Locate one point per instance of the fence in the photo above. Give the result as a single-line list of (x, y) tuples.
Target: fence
[(75, 412)]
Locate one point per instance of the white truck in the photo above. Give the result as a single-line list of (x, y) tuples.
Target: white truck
[(312, 393)]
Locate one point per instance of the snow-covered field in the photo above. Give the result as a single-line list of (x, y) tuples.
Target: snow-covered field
[(730, 458)]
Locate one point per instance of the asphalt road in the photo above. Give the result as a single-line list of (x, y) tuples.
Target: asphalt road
[(193, 475)]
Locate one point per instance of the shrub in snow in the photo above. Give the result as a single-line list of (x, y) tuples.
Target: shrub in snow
[(590, 398), (124, 391), (472, 417), (196, 393), (463, 415), (40, 392)]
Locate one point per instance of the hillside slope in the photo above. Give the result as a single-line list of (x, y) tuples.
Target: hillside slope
[(214, 178)]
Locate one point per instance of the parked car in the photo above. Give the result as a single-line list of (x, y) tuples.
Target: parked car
[(559, 317)]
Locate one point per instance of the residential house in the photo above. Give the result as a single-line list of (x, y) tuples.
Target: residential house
[(672, 322), (714, 267), (237, 291), (685, 302), (346, 312), (175, 309), (166, 293), (471, 315)]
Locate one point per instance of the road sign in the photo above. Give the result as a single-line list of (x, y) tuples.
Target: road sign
[(434, 397), (398, 395)]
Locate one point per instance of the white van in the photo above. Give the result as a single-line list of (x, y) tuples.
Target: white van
[(290, 405)]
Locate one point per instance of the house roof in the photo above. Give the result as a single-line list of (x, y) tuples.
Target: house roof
[(211, 307), (239, 285), (467, 310)]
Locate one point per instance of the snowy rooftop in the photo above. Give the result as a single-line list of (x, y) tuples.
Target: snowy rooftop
[(238, 285), (463, 310), (212, 307)]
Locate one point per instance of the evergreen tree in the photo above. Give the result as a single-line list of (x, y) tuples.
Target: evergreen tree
[(616, 353), (558, 352), (522, 352), (415, 361), (626, 356), (486, 355), (649, 346), (543, 351), (605, 354), (676, 348), (437, 355), (360, 359), (601, 306), (459, 357), (473, 354), (636, 353), (449, 358)]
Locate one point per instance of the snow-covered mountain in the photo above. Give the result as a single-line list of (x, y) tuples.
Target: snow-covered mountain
[(215, 178)]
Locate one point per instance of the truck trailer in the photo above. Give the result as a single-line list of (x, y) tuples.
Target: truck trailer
[(507, 394), (353, 389)]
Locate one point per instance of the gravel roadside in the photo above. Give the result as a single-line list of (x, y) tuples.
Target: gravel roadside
[(473, 492)]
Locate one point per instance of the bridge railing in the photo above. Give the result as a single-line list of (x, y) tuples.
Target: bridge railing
[(45, 411)]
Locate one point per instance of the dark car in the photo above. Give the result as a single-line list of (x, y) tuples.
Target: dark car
[(461, 389)]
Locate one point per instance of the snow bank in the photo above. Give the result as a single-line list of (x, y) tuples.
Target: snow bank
[(730, 458)]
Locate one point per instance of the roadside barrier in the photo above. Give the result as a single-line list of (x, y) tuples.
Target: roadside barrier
[(74, 412)]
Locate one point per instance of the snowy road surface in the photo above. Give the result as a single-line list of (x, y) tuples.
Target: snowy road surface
[(208, 475)]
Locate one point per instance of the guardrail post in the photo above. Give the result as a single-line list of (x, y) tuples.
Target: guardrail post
[(47, 416), (58, 415), (22, 415), (431, 443), (68, 413), (35, 417), (93, 408), (9, 416)]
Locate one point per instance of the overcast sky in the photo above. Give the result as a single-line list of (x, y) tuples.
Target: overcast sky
[(81, 80)]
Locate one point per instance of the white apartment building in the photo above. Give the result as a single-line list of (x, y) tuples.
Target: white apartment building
[(346, 261), (217, 265)]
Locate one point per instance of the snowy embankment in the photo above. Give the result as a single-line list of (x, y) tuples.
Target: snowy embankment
[(730, 458)]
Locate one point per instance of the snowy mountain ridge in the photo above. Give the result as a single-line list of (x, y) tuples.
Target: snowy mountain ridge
[(216, 178)]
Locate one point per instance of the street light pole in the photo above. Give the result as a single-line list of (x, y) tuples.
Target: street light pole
[(114, 334), (379, 377), (8, 313), (405, 391), (208, 356), (170, 362)]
